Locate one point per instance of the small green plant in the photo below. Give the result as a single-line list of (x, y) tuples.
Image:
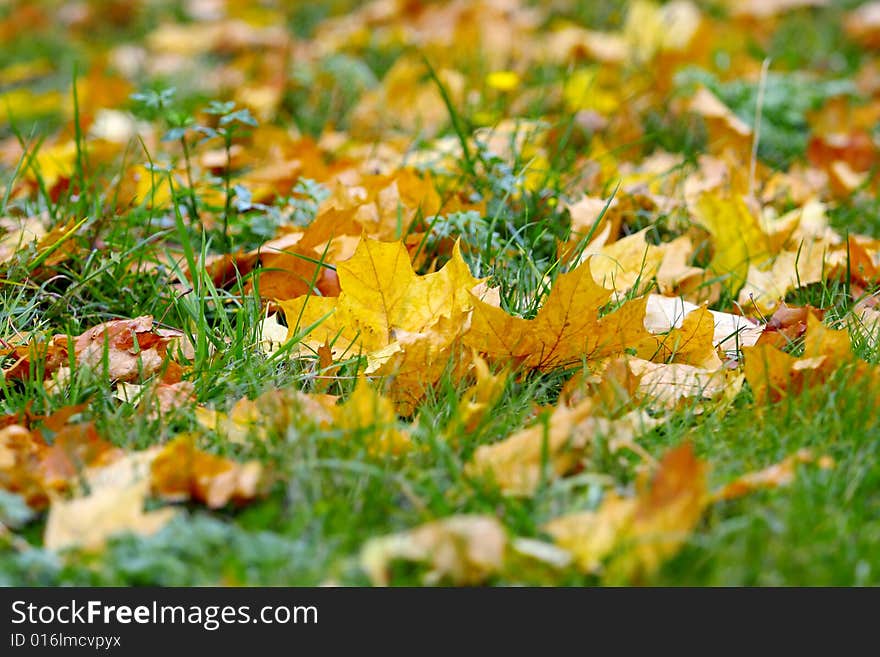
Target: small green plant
[(786, 100)]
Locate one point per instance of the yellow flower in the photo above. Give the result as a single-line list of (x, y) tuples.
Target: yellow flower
[(503, 80)]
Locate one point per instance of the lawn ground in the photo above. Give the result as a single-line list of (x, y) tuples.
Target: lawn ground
[(211, 165)]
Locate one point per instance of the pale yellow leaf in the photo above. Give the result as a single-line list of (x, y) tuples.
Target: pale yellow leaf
[(87, 522)]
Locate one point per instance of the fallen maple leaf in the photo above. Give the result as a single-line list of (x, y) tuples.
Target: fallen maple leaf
[(731, 333), (126, 349), (691, 344), (479, 398), (764, 289), (643, 531), (181, 472), (677, 277), (406, 324), (381, 294), (87, 522), (774, 476), (36, 469), (133, 348), (624, 263), (773, 374), (553, 448), (566, 330), (462, 550), (368, 414), (737, 237)]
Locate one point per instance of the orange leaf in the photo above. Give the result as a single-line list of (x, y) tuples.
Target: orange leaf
[(181, 472), (566, 330)]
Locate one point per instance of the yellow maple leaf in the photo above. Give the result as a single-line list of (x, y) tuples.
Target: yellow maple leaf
[(773, 374), (407, 325), (88, 522), (368, 413), (642, 531), (764, 289), (480, 397), (737, 237), (566, 330), (676, 276), (381, 295), (692, 344), (416, 360), (625, 262), (517, 463)]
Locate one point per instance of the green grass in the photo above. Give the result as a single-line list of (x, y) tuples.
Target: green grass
[(330, 494), (823, 529)]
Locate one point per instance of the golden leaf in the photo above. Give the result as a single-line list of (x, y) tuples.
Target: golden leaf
[(676, 276), (407, 325), (732, 332), (566, 330), (736, 237), (180, 472), (517, 463), (692, 344), (643, 531), (18, 233), (415, 361), (380, 295), (773, 374), (368, 413), (622, 264), (774, 476), (479, 398), (764, 289)]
